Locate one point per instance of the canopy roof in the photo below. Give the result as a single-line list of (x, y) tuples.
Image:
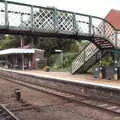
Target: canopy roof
[(18, 51)]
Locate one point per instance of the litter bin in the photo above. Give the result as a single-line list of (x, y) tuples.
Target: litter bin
[(109, 73)]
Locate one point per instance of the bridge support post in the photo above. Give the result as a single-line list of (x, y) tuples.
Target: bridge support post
[(6, 14), (31, 18), (75, 29), (90, 25)]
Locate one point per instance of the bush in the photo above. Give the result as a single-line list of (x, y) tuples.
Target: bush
[(61, 63)]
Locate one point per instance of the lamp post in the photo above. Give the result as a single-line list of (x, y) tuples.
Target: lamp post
[(116, 70), (116, 57)]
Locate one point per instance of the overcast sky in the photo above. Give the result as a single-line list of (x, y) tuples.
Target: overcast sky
[(93, 7)]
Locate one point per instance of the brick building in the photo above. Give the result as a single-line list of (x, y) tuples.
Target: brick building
[(114, 18), (22, 58)]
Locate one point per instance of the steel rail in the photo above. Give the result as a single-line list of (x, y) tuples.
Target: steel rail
[(7, 114), (96, 103)]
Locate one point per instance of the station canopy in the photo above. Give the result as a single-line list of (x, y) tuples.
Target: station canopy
[(18, 51)]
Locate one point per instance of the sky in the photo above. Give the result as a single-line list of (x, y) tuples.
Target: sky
[(98, 8)]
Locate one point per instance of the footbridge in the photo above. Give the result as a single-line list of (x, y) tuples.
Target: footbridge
[(24, 19)]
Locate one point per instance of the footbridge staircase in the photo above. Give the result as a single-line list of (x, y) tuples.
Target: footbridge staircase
[(25, 19), (97, 49)]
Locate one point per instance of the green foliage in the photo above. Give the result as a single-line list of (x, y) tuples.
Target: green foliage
[(57, 62), (8, 41), (61, 63), (50, 44), (68, 58), (54, 59), (107, 61), (74, 47)]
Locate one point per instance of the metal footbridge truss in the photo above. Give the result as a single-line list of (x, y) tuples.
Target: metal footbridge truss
[(24, 19)]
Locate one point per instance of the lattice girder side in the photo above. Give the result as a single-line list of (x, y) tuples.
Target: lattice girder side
[(19, 17), (65, 22), (85, 55), (77, 62), (90, 50), (43, 20), (104, 29), (2, 14)]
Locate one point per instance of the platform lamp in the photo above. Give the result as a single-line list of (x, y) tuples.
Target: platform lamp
[(101, 70), (116, 70)]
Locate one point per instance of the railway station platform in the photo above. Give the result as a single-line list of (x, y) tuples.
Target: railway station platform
[(77, 78), (81, 84)]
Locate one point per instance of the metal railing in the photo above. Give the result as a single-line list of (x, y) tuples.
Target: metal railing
[(24, 17)]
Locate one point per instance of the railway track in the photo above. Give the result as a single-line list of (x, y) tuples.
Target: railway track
[(5, 114), (16, 107), (92, 102)]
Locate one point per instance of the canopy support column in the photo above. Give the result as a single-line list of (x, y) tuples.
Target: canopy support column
[(22, 61)]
